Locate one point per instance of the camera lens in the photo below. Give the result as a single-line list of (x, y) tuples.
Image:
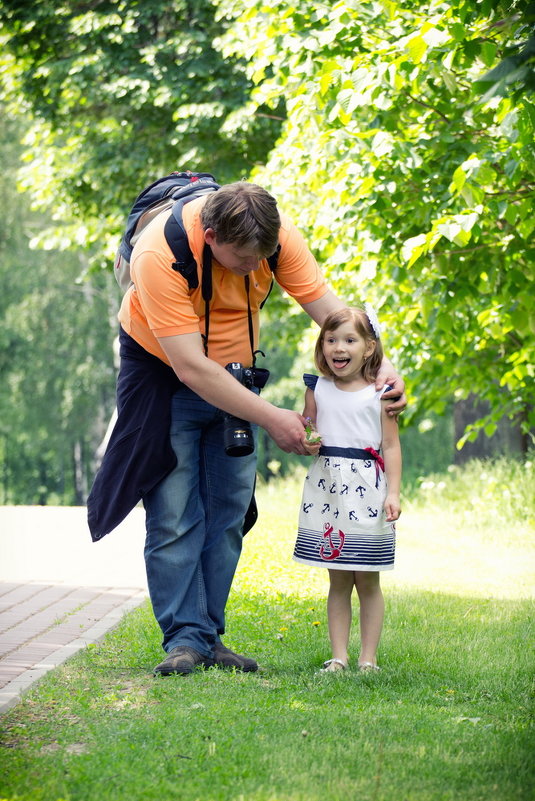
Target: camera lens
[(237, 434), (237, 437)]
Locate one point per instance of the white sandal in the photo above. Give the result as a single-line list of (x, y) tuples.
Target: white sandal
[(329, 662), (365, 667)]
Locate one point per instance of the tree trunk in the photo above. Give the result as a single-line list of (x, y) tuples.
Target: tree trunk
[(508, 440)]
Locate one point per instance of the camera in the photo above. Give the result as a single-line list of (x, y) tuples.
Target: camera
[(237, 434)]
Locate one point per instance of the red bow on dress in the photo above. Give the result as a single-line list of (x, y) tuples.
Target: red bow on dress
[(379, 463)]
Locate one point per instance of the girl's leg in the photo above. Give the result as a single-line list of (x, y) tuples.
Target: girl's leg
[(372, 608), (339, 614)]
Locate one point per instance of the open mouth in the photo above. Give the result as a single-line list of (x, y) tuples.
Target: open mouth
[(340, 363)]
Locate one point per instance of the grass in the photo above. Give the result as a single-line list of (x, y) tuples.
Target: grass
[(447, 718)]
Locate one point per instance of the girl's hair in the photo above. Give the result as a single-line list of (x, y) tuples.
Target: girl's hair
[(363, 327), (245, 215)]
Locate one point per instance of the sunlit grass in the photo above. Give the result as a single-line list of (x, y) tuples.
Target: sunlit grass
[(447, 718)]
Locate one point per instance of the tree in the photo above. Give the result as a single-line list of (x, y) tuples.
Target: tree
[(408, 157), (120, 93), (55, 355), (110, 95)]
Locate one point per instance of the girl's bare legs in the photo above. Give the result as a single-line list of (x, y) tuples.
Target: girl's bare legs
[(339, 614), (372, 609)]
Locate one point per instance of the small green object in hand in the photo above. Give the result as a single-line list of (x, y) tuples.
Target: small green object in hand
[(312, 436)]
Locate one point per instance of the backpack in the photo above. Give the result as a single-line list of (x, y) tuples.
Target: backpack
[(169, 192)]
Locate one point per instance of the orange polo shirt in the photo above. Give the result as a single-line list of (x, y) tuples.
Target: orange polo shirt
[(160, 303)]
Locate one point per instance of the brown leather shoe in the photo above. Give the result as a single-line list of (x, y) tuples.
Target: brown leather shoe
[(225, 658), (182, 660)]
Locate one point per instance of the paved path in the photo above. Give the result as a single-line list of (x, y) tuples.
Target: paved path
[(59, 592)]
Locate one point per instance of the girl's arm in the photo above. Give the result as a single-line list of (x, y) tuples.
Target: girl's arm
[(309, 412), (391, 450)]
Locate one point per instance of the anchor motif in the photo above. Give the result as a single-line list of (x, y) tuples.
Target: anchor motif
[(326, 508), (306, 507), (344, 489), (332, 488), (373, 512), (328, 550), (361, 490), (353, 515), (321, 483)]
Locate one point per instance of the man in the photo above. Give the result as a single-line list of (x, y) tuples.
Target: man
[(195, 513)]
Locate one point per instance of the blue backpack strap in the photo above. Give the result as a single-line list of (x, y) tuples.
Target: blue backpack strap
[(174, 230), (177, 240)]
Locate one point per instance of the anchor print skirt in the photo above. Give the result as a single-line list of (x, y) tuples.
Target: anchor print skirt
[(342, 523)]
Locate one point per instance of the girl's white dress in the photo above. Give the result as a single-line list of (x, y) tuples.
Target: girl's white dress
[(342, 523)]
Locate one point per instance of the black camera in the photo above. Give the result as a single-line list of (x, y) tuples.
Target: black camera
[(237, 433)]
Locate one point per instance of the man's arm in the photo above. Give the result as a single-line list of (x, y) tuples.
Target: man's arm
[(216, 386), (319, 309)]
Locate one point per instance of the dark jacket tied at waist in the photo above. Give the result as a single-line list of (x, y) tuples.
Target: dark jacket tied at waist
[(139, 453)]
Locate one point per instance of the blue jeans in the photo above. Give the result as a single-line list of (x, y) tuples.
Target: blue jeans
[(194, 520)]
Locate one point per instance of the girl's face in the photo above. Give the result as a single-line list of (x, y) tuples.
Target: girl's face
[(345, 351)]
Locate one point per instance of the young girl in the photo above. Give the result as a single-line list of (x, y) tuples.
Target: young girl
[(351, 492)]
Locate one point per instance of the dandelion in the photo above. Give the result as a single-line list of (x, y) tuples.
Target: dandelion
[(316, 622)]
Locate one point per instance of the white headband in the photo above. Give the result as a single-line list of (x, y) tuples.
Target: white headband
[(372, 317)]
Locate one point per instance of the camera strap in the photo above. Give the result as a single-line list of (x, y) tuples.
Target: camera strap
[(250, 319), (206, 289)]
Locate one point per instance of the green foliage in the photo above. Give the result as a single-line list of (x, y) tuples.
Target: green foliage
[(405, 153), (427, 447), (408, 158), (494, 492), (119, 94), (55, 356)]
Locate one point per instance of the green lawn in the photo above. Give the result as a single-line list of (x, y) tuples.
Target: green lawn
[(448, 717)]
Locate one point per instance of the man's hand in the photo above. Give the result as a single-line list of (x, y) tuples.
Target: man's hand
[(312, 439), (388, 376), (287, 428)]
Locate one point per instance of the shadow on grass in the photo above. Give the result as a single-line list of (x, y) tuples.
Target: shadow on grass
[(446, 718)]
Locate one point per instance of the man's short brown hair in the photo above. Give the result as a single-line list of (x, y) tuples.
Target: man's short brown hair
[(243, 214)]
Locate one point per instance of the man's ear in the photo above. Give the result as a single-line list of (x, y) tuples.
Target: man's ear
[(209, 236)]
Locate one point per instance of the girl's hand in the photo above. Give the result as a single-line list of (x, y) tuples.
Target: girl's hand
[(312, 447), (392, 507), (312, 440)]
